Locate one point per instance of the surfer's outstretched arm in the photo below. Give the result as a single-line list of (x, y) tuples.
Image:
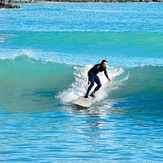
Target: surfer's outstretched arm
[(106, 74)]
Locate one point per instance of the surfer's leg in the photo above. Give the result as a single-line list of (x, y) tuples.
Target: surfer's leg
[(98, 82), (90, 87)]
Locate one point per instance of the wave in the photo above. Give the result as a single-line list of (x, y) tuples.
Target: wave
[(45, 83), (26, 82), (28, 71), (142, 82), (119, 48)]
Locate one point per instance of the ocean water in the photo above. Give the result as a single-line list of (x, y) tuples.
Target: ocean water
[(46, 50)]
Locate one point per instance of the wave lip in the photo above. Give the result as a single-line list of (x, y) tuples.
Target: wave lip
[(26, 79)]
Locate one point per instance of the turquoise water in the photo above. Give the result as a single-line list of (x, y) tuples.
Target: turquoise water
[(46, 50)]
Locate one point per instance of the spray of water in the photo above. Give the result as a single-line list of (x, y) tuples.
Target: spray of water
[(79, 86)]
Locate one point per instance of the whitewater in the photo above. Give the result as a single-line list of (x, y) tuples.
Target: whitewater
[(46, 50)]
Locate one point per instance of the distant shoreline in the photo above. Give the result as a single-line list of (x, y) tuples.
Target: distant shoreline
[(9, 3), (93, 1)]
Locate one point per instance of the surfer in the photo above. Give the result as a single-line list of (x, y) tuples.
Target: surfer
[(92, 77)]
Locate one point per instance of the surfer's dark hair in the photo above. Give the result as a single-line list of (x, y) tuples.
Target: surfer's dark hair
[(103, 61)]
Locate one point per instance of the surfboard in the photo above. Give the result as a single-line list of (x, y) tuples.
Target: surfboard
[(84, 102)]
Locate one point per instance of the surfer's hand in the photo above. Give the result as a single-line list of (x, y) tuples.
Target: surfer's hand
[(109, 79), (89, 82)]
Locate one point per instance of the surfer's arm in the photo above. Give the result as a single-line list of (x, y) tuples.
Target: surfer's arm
[(106, 74), (89, 75), (89, 78)]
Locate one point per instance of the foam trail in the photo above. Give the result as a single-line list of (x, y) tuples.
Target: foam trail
[(79, 87)]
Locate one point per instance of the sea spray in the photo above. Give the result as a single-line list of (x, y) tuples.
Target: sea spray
[(79, 87)]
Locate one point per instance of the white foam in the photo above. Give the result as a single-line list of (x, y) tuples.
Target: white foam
[(79, 87), (5, 37), (12, 54)]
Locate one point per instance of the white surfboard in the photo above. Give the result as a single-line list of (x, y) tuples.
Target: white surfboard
[(84, 102)]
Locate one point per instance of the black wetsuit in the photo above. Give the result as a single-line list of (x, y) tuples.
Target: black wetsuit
[(92, 77), (96, 69)]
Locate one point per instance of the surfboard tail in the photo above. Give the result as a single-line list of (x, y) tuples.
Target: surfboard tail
[(84, 102)]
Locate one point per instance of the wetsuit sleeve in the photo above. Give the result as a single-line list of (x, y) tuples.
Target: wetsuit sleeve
[(91, 71), (106, 74), (89, 75)]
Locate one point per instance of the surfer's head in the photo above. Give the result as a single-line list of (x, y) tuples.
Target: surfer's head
[(104, 63)]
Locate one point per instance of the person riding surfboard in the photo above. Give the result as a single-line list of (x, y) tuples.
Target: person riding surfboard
[(93, 78)]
